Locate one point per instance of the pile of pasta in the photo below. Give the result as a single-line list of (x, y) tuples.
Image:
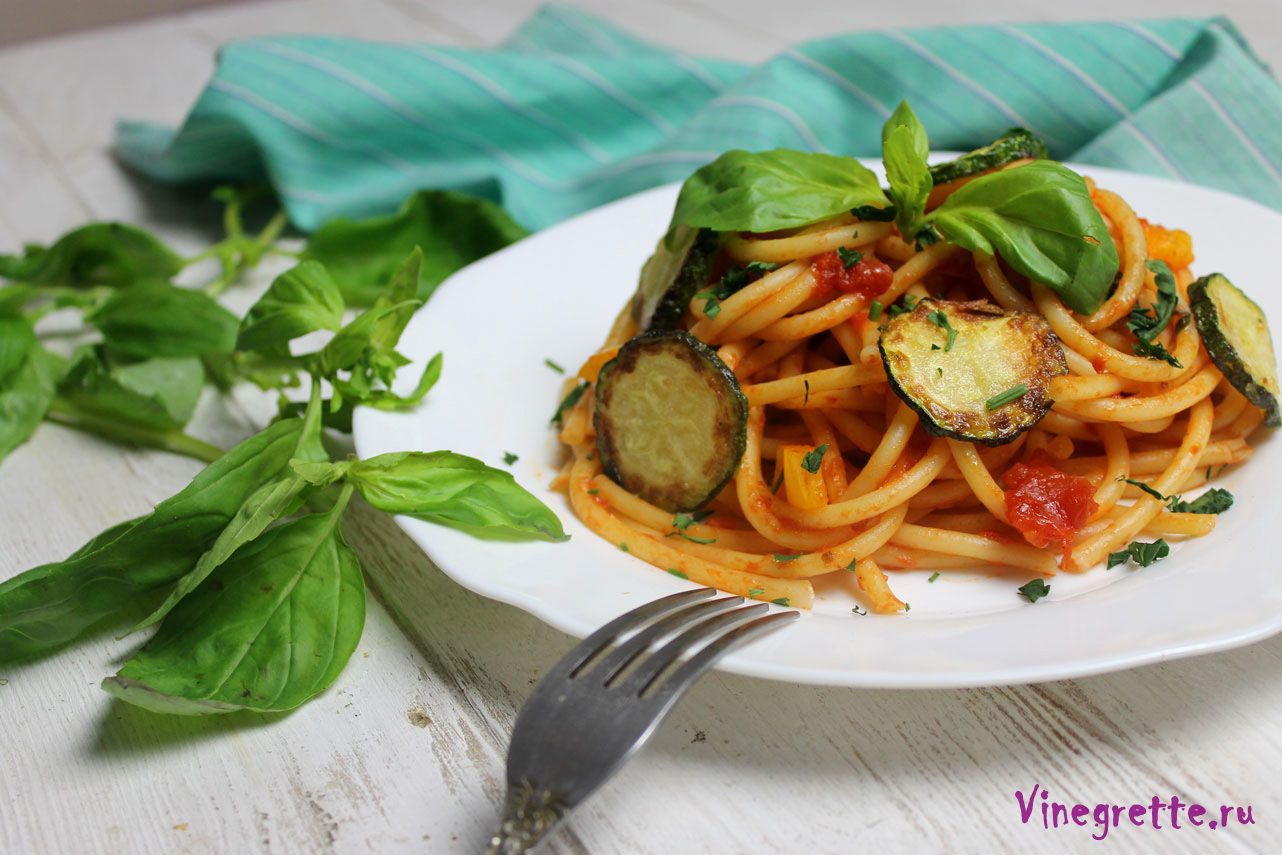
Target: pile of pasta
[(898, 499)]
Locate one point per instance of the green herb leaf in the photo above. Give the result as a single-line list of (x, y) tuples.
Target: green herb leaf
[(452, 229), (1035, 590), (1146, 488), (677, 573), (156, 393), (874, 214), (770, 190), (17, 337), (858, 611), (778, 482), (756, 592), (1216, 500), (849, 257), (568, 401), (1141, 553), (1041, 220), (112, 254), (26, 391), (904, 149), (272, 628), (1147, 326), (509, 458), (1004, 398), (780, 558), (814, 459), (874, 310), (782, 601), (301, 300), (933, 577), (939, 319), (52, 604), (454, 490), (550, 364), (163, 320)]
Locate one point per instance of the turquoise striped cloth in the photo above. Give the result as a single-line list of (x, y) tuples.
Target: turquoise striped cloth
[(571, 112)]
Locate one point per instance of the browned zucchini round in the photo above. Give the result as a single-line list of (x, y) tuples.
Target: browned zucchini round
[(971, 370), (1236, 335), (671, 422)]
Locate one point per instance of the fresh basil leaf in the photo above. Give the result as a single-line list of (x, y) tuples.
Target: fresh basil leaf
[(17, 337), (272, 628), (454, 490), (384, 399), (769, 190), (25, 395), (320, 473), (157, 393), (452, 229), (1040, 219), (112, 254), (365, 337), (54, 603), (904, 149), (301, 300), (272, 501), (159, 319)]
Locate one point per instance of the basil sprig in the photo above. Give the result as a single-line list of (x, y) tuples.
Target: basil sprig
[(904, 149), (1039, 218), (259, 601), (769, 190)]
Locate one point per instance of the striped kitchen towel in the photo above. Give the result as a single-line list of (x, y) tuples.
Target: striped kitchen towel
[(570, 112)]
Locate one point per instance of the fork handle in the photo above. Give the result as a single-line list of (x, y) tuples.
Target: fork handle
[(530, 812)]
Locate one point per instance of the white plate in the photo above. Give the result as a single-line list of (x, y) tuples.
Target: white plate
[(554, 296)]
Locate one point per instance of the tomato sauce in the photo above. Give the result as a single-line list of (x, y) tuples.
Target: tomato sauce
[(868, 278), (1045, 504)]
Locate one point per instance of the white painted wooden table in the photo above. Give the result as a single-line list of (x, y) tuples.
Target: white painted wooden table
[(405, 753)]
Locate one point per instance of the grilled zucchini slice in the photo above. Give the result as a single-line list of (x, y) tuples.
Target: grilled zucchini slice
[(1014, 144), (679, 267), (1236, 335), (992, 354), (671, 422)]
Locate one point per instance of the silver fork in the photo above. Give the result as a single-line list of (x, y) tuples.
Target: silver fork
[(600, 704)]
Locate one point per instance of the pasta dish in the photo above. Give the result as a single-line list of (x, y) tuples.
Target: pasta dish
[(992, 364)]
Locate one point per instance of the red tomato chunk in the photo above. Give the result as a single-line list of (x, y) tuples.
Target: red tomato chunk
[(868, 278), (1045, 504)]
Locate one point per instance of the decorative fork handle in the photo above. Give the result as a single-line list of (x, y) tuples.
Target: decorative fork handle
[(529, 813)]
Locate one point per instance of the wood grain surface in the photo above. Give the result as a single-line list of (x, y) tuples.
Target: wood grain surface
[(405, 753)]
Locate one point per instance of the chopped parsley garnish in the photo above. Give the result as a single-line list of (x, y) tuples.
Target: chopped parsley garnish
[(941, 373), (908, 607), (1217, 500), (1145, 487), (593, 491), (1011, 394), (1141, 553), (1035, 590), (939, 319), (849, 257), (782, 601), (623, 546), (734, 278), (1146, 326), (756, 592), (907, 304), (858, 611), (874, 310), (509, 458), (851, 565), (550, 364), (933, 576), (681, 522), (873, 214), (569, 401), (927, 236), (935, 347), (782, 558), (778, 482), (814, 459), (677, 573)]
